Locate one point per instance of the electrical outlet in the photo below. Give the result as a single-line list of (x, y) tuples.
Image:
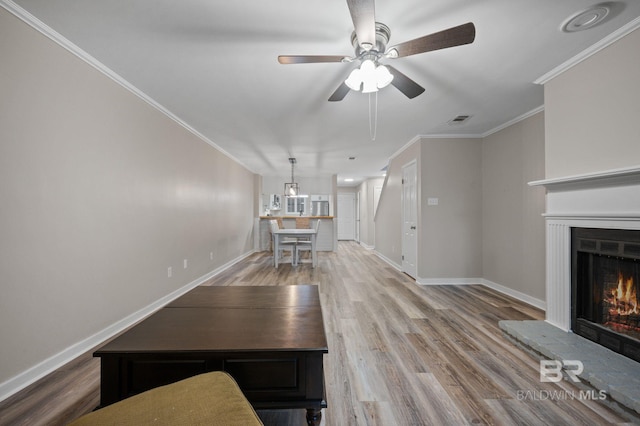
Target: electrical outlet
[(169, 272), (211, 256), (185, 264)]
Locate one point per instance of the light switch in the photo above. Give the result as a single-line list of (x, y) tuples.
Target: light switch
[(432, 201)]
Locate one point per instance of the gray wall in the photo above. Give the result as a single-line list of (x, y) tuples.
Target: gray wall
[(101, 193), (450, 243), (388, 218), (488, 223), (449, 234), (513, 244), (591, 112)]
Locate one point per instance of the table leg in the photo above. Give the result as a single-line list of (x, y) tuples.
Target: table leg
[(294, 256), (314, 255), (314, 416), (276, 251)]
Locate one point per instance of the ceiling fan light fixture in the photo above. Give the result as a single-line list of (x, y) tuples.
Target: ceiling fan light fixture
[(368, 66), (369, 86), (354, 81), (369, 76), (383, 76)]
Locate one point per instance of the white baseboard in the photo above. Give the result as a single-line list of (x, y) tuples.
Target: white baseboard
[(540, 304), (448, 281), (389, 261), (367, 246), (38, 371)]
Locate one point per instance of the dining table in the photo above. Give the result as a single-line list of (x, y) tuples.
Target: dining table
[(282, 233)]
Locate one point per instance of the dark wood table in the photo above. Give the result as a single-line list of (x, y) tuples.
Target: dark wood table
[(270, 339)]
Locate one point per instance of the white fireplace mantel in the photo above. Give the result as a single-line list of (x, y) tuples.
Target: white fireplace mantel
[(609, 199), (607, 178)]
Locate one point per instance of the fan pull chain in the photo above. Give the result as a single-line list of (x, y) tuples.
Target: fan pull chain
[(373, 129)]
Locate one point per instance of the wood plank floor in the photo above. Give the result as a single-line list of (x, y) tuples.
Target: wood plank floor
[(399, 354)]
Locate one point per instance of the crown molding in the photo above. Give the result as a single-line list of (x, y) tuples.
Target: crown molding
[(470, 135), (59, 39), (413, 140), (590, 51), (452, 136), (513, 121)]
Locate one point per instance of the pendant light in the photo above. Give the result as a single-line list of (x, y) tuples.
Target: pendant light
[(291, 189)]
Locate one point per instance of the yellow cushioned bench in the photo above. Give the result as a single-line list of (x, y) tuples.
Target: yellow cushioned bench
[(212, 399)]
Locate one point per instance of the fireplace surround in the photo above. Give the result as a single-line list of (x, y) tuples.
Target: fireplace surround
[(605, 272), (607, 200)]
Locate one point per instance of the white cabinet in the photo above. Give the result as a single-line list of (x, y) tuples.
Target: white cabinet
[(295, 205)]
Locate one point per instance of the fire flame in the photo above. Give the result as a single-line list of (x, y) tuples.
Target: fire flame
[(624, 297)]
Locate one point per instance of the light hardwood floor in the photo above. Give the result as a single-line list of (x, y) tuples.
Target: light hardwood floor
[(399, 354)]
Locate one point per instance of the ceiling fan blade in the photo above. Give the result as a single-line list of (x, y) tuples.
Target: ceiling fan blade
[(364, 21), (455, 36), (410, 88), (309, 59), (340, 93)]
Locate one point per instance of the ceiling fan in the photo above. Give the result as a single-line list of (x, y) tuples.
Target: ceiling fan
[(370, 40)]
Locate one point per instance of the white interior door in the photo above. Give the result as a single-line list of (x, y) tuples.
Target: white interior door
[(346, 216), (409, 219)]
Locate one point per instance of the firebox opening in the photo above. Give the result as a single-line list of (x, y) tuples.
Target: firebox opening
[(605, 276)]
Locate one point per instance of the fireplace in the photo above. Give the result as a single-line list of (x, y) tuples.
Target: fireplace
[(605, 276), (605, 201)]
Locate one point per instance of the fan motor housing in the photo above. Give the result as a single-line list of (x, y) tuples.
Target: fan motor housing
[(383, 33)]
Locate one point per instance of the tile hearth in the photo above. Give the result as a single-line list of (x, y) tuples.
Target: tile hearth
[(604, 370)]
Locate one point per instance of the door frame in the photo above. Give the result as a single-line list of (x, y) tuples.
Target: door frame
[(413, 272)]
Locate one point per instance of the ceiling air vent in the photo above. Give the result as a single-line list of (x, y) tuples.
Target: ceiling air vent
[(458, 120)]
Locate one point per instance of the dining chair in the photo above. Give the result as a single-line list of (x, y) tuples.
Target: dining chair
[(283, 245), (305, 245), (303, 223), (281, 226)]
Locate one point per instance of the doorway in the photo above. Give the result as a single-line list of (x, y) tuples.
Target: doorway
[(347, 216)]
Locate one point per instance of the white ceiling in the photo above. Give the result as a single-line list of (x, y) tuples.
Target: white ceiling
[(214, 65)]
